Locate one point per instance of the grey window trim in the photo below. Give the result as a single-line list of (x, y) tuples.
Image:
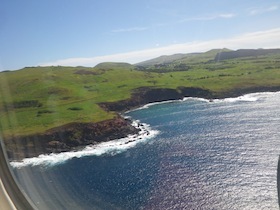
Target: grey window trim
[(11, 194)]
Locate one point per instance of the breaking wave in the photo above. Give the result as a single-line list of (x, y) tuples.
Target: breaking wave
[(105, 148), (117, 146), (195, 98), (251, 97), (146, 106)]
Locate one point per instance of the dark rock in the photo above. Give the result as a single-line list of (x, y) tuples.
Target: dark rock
[(142, 96), (74, 136), (69, 137)]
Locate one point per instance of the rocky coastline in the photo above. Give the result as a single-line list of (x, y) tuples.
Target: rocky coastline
[(75, 136), (69, 137), (145, 95)]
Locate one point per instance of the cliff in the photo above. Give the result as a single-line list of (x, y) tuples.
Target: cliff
[(76, 135), (142, 96), (69, 137)]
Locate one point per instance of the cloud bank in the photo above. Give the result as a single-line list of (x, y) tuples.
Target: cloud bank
[(263, 10), (260, 39)]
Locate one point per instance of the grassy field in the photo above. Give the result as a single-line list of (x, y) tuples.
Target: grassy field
[(35, 99)]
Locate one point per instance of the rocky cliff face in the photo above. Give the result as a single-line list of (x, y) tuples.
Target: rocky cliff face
[(74, 136), (69, 137), (144, 96), (77, 135)]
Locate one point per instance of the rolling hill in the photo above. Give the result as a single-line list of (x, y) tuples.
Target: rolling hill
[(35, 100)]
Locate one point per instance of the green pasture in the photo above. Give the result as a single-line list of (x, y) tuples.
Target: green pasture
[(35, 99)]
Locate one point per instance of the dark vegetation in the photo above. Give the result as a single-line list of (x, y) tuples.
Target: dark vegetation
[(26, 103), (245, 53), (75, 108)]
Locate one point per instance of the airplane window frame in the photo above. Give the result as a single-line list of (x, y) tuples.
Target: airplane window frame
[(13, 197)]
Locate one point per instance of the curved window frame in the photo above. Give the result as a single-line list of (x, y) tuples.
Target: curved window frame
[(11, 196)]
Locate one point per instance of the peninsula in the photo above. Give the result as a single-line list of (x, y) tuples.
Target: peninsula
[(56, 108)]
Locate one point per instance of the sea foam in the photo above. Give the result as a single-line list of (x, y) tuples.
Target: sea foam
[(146, 106), (117, 146), (245, 98), (251, 97), (105, 148)]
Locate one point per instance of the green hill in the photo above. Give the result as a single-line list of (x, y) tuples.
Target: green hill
[(225, 55), (35, 99), (114, 65), (179, 62)]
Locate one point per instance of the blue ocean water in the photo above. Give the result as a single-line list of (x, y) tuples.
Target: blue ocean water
[(205, 155)]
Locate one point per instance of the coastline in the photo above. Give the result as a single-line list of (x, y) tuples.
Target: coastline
[(69, 137), (143, 96), (110, 148), (77, 136)]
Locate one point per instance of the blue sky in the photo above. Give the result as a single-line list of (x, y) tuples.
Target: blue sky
[(87, 32)]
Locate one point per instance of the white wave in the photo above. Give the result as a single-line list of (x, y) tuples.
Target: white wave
[(248, 98), (251, 97), (195, 98), (146, 106), (105, 148)]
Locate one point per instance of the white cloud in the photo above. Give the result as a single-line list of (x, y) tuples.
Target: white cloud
[(258, 11), (213, 17), (260, 39), (129, 29), (210, 17), (228, 15)]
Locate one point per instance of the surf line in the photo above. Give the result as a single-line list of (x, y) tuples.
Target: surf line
[(109, 148), (250, 97), (117, 146)]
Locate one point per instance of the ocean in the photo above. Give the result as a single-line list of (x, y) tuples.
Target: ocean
[(191, 154)]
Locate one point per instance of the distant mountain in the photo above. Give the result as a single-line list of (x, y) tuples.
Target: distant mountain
[(164, 59), (178, 62), (83, 103), (180, 57), (244, 53), (114, 65)]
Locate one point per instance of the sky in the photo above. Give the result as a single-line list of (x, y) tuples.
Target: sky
[(88, 32)]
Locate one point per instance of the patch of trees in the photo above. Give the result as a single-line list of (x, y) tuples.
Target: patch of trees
[(222, 67), (154, 82), (27, 103), (39, 113), (121, 86), (140, 68), (91, 88), (181, 67), (244, 53), (75, 108), (164, 68)]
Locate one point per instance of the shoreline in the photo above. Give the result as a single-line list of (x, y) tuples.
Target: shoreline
[(144, 96), (110, 148), (69, 137), (77, 136)]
